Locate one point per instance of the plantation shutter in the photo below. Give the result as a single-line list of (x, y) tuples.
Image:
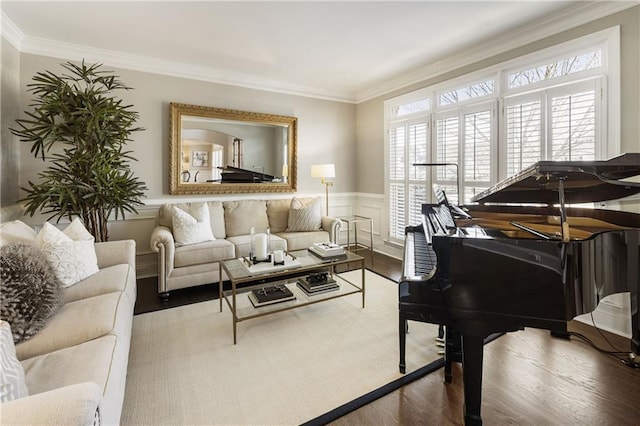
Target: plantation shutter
[(417, 174), (567, 115), (476, 163), (396, 180), (446, 151), (524, 132), (408, 144), (573, 110)]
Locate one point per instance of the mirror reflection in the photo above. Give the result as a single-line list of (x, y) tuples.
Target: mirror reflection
[(216, 150)]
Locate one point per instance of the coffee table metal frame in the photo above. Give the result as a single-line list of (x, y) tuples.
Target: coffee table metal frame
[(237, 274)]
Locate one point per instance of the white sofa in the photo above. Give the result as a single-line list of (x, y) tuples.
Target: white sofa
[(231, 223), (75, 368)]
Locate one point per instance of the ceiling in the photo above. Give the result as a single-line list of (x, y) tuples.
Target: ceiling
[(336, 50)]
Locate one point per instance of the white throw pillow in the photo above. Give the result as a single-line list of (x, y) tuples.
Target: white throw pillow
[(71, 253), (12, 382), (303, 218), (193, 226), (16, 231)]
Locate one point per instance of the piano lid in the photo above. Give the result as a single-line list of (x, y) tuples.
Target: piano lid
[(583, 181)]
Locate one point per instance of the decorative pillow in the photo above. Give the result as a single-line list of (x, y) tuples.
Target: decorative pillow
[(12, 382), (193, 226), (303, 217), (71, 253), (31, 292), (16, 231)]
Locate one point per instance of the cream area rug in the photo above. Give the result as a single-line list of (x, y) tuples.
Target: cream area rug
[(287, 368)]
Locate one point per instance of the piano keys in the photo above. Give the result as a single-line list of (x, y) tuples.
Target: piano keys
[(521, 257)]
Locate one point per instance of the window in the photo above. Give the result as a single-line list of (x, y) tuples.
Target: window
[(408, 137), (556, 104)]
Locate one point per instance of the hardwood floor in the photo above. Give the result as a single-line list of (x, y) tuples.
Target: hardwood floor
[(530, 378)]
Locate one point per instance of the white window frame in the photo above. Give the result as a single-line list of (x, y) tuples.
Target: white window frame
[(608, 113)]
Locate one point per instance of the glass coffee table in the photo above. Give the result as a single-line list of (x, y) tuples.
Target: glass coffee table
[(238, 273)]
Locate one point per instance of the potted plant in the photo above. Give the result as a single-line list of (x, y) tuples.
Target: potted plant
[(81, 129)]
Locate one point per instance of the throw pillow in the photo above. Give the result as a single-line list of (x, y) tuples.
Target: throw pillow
[(71, 253), (12, 382), (31, 291), (303, 218), (193, 226), (16, 231)]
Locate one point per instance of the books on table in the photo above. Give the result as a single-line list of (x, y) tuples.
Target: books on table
[(312, 288), (328, 250), (270, 295)]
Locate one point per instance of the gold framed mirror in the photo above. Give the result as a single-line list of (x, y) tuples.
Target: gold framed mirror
[(225, 151)]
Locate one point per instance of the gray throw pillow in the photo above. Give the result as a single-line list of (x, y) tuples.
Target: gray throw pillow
[(30, 292), (305, 217)]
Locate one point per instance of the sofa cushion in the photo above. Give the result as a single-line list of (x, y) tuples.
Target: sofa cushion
[(242, 244), (12, 379), (86, 362), (305, 216), (207, 252), (240, 216), (191, 225), (107, 280), (77, 322), (70, 252), (16, 231), (30, 291), (304, 240), (216, 216), (278, 214)]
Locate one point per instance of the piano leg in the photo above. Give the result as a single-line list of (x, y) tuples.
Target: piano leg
[(472, 354), (560, 331), (452, 352), (402, 324), (633, 273)]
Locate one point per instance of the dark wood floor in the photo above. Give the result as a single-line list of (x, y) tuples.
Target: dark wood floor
[(530, 378)]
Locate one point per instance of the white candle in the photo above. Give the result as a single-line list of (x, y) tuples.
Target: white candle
[(261, 246), (278, 256)]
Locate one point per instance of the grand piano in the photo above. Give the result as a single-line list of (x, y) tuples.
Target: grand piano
[(232, 174), (518, 257)]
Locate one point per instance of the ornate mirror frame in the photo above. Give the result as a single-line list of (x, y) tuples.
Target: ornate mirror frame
[(227, 116)]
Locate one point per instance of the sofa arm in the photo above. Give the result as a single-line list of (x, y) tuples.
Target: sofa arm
[(111, 253), (162, 242), (76, 404), (332, 225)]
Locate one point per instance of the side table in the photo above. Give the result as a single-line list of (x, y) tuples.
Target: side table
[(353, 220)]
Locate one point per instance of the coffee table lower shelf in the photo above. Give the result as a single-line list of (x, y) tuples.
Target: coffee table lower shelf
[(242, 309)]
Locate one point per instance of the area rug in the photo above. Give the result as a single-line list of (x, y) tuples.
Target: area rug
[(287, 368)]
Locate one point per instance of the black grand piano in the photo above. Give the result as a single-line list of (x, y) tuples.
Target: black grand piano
[(521, 258), (232, 174)]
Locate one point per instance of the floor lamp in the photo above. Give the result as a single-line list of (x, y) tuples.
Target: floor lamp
[(324, 171)]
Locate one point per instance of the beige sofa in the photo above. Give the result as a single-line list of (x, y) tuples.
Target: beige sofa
[(75, 368), (231, 223)]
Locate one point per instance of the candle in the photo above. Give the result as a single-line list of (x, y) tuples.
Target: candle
[(278, 256), (261, 246)]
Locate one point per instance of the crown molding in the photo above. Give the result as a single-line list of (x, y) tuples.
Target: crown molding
[(566, 19), (75, 52), (10, 32)]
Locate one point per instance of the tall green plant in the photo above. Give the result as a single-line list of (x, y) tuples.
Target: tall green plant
[(89, 173)]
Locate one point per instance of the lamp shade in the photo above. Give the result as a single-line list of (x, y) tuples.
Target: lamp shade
[(323, 171)]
